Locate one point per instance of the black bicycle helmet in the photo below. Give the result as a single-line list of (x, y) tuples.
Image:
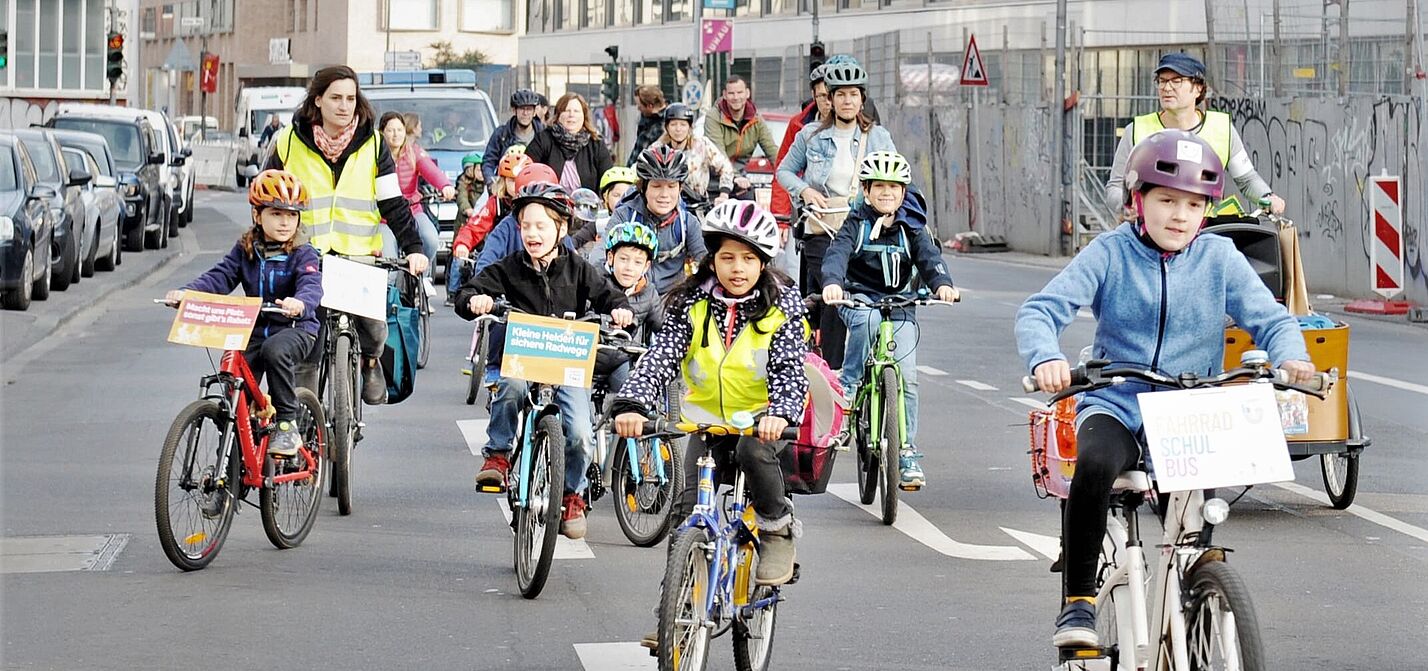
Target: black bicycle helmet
[(661, 163), (550, 194), (524, 98), (679, 112)]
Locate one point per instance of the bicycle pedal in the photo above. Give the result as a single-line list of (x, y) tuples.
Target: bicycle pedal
[(490, 489), (910, 488), (1083, 654)]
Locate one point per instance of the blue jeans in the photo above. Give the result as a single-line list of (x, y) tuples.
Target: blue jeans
[(574, 404), (459, 269), (863, 334)]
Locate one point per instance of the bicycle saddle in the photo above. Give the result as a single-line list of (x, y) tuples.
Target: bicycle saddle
[(1137, 481)]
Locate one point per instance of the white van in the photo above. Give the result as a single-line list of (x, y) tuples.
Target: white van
[(171, 175), (255, 104)]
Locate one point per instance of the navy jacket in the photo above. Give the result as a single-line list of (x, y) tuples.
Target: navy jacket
[(295, 275), (500, 141), (505, 240), (892, 262)]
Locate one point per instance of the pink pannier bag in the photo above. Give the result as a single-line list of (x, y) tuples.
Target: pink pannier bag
[(808, 462)]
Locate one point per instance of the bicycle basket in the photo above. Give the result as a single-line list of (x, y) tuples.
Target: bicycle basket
[(1053, 449), (808, 461)]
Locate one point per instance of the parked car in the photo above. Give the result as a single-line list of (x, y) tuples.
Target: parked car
[(131, 141), (72, 237), (184, 177), (26, 228), (102, 204), (165, 143)]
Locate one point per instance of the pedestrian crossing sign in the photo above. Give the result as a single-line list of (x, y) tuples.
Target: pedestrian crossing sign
[(974, 71)]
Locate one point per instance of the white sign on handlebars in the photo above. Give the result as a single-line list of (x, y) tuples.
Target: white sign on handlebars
[(1215, 437), (354, 288)]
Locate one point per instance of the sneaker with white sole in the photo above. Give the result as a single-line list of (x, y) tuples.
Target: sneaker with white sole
[(910, 476), (286, 441), (1076, 626)]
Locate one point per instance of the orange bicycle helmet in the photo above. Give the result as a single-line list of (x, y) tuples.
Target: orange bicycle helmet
[(278, 189), (511, 165), (537, 172)]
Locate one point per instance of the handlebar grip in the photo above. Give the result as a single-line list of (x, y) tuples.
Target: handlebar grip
[(1320, 381), (1028, 384), (1078, 379)]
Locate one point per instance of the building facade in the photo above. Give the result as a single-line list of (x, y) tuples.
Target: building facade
[(56, 53)]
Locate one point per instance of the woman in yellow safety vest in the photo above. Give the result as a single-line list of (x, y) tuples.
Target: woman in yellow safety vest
[(334, 148), (1180, 85)]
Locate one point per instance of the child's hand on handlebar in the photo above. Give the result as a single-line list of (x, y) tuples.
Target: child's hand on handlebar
[(481, 304), (771, 428), (1300, 372), (622, 317), (292, 307), (832, 293), (948, 293), (417, 263), (630, 425), (1052, 376), (174, 297)]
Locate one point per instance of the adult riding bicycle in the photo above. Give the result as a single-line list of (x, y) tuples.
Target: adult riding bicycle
[(216, 452), (1193, 611)]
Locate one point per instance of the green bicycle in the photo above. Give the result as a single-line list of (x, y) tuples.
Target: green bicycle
[(878, 428)]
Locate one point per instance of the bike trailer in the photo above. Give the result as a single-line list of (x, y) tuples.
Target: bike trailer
[(1053, 448), (808, 461), (399, 357)]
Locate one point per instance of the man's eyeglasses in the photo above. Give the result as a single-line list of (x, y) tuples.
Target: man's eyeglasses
[(1171, 83)]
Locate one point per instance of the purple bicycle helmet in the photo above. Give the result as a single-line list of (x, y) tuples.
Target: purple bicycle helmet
[(1176, 159)]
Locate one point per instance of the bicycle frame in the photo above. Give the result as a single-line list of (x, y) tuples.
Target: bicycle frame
[(236, 378), (881, 357), (728, 575), (339, 325), (539, 403)]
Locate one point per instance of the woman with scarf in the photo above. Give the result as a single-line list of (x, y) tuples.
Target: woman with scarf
[(572, 146), (334, 149), (413, 166)]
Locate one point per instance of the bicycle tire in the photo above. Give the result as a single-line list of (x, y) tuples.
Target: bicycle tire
[(753, 641), (208, 540), (344, 421), (1212, 584), (867, 456), (892, 444), (288, 529), (686, 580), (478, 369), (645, 532), (423, 305), (538, 524)]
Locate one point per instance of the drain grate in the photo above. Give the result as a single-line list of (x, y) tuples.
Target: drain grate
[(45, 554)]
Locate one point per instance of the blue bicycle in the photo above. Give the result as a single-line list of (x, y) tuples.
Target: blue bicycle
[(709, 586)]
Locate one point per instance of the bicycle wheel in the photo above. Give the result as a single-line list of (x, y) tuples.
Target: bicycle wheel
[(683, 638), (1222, 631), (867, 451), (290, 509), (344, 421), (538, 522), (423, 305), (193, 500), (753, 638), (891, 444), (1341, 478), (643, 509), (478, 369)]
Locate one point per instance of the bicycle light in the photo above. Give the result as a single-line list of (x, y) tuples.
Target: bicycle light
[(1215, 511)]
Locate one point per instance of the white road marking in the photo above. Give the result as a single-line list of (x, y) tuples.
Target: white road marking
[(1028, 402), (474, 431), (916, 527), (1359, 511), (1389, 382), (565, 548), (614, 657), (929, 370), (979, 386), (1046, 546)]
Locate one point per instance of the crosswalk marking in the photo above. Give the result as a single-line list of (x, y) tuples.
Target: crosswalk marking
[(565, 548), (614, 657), (917, 527), (979, 386), (1046, 546), (929, 370), (474, 431)]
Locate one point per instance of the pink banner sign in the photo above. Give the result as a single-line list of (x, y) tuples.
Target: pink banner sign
[(718, 36)]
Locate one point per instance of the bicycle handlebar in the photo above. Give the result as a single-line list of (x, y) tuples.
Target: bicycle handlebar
[(266, 308), (663, 427), (894, 301), (1094, 375)]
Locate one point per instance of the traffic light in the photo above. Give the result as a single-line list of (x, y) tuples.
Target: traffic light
[(115, 57), (4, 49), (816, 55), (610, 86)]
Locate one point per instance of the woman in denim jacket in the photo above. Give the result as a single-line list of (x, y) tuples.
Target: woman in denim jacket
[(827, 156)]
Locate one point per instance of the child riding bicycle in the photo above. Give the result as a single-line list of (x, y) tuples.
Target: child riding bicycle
[(545, 278), (273, 260), (630, 249), (659, 205), (1159, 294), (736, 334), (882, 249)]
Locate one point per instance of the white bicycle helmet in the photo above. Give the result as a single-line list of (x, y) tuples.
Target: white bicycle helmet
[(744, 221), (885, 166)]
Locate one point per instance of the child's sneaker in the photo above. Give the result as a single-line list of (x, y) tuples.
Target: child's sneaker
[(491, 377), (572, 519), (910, 476), (493, 471), (285, 442)]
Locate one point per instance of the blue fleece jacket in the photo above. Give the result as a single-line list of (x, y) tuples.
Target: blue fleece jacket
[(1162, 312), (504, 240), (294, 275)]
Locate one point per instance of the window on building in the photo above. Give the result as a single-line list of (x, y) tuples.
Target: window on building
[(48, 47), (149, 24), (678, 10), (72, 27), (594, 14), (539, 16), (413, 14), (484, 16)]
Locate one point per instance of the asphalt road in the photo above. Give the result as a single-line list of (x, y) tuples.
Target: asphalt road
[(420, 575)]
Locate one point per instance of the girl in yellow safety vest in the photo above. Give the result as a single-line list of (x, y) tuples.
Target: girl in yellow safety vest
[(735, 331)]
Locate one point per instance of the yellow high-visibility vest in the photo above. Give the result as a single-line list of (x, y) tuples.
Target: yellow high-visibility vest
[(1216, 130), (343, 217), (720, 382)]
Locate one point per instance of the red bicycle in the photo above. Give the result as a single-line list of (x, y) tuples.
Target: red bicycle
[(216, 452)]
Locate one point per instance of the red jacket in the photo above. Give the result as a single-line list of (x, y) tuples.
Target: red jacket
[(779, 201), (479, 224)]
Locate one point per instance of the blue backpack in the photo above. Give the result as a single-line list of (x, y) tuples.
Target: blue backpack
[(399, 357)]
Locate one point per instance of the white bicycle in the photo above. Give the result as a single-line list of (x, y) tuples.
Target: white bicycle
[(1192, 612)]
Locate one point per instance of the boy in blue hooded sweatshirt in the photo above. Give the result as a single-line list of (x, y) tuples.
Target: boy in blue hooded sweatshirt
[(1159, 301), (881, 250)]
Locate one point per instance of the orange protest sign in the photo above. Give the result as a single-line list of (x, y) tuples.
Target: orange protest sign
[(212, 320), (550, 351)]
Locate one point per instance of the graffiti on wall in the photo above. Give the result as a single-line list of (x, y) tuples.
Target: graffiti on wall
[(22, 112)]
